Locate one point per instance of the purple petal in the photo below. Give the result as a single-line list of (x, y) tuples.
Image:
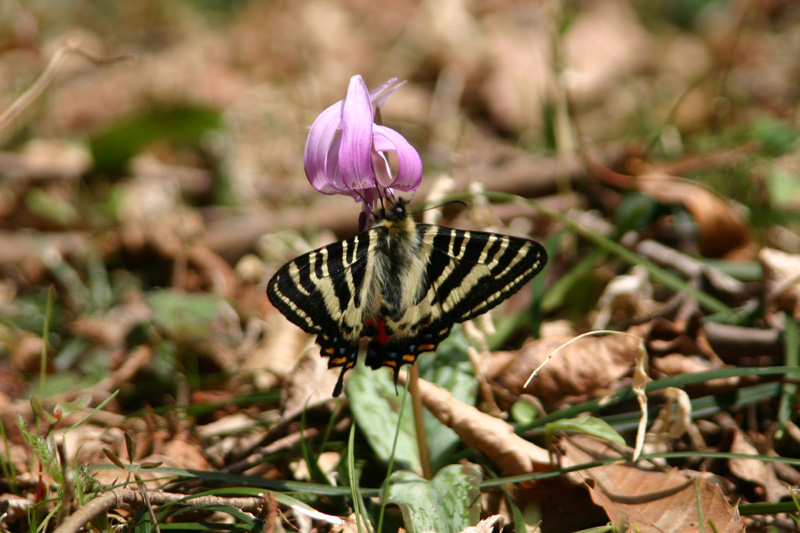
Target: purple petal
[(320, 138), (379, 99), (354, 154), (409, 164)]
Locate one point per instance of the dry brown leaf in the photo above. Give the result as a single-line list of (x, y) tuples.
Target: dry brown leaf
[(625, 298), (274, 358), (676, 364), (177, 453), (310, 383), (579, 369), (722, 230), (491, 436), (781, 282), (644, 501), (755, 470), (112, 328)]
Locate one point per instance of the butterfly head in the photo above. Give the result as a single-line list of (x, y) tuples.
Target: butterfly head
[(394, 212)]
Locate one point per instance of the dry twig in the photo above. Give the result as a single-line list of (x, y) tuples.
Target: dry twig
[(136, 498)]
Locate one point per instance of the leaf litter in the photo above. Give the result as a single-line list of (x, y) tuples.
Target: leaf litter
[(139, 187)]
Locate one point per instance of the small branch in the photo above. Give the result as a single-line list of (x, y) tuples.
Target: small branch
[(136, 498), (46, 78)]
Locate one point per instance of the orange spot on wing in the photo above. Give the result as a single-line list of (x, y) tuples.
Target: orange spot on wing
[(410, 358), (338, 360), (426, 347)]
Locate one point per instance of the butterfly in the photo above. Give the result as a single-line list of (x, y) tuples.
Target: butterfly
[(400, 284)]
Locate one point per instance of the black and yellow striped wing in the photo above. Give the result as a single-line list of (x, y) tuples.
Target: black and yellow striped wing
[(323, 293), (467, 274)]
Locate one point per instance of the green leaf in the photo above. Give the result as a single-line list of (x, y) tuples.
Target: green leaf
[(450, 502), (184, 315), (114, 458), (375, 406), (78, 404), (776, 136), (180, 124), (585, 424), (41, 412), (51, 208), (523, 412)]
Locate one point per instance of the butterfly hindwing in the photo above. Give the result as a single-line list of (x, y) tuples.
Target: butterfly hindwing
[(322, 292)]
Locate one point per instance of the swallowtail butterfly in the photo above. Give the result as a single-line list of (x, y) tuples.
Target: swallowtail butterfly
[(402, 285)]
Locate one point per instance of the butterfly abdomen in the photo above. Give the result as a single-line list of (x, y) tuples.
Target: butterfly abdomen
[(398, 267)]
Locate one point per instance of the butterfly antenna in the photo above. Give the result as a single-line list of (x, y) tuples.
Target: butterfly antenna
[(437, 206), (364, 200)]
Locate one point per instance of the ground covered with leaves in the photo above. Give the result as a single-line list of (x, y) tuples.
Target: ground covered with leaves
[(151, 183)]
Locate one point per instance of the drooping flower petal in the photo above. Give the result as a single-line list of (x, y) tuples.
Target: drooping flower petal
[(409, 164), (320, 138), (378, 97), (355, 164)]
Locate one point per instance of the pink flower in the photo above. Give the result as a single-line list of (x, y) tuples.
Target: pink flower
[(345, 150)]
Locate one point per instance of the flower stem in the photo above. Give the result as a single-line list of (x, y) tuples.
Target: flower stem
[(419, 423)]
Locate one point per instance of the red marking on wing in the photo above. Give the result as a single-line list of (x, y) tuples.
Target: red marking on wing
[(382, 336)]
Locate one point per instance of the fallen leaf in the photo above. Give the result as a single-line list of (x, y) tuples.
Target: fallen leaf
[(648, 501), (676, 364), (722, 229), (273, 359), (581, 368), (491, 436), (781, 282), (755, 470), (310, 383)]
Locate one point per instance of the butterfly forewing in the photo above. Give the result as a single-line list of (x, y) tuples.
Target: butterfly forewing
[(322, 292), (471, 272)]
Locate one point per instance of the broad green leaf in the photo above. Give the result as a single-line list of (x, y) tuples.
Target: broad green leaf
[(376, 405), (182, 314), (585, 424), (450, 502), (181, 124)]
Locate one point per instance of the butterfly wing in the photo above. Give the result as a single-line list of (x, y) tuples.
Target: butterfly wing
[(323, 293), (466, 274)]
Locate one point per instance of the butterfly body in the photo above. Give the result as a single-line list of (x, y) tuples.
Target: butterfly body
[(402, 285)]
